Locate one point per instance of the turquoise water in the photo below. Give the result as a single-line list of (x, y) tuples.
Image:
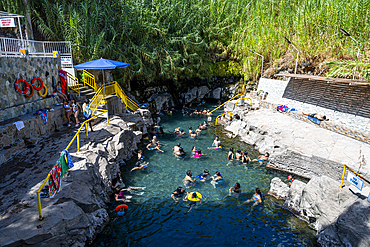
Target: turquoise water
[(154, 219)]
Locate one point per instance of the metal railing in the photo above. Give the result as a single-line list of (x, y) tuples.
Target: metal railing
[(224, 103), (76, 136), (358, 175), (12, 48), (89, 79), (250, 101), (73, 83), (223, 114)]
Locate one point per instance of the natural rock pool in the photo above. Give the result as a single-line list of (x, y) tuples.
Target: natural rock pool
[(154, 219)]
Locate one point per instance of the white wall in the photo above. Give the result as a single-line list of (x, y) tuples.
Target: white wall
[(275, 88)]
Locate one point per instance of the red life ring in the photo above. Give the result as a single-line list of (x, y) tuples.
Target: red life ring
[(32, 91), (33, 83), (25, 87), (121, 206)]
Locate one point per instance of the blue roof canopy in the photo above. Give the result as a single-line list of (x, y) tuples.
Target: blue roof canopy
[(101, 64)]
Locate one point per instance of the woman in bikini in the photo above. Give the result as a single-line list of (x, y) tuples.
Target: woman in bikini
[(76, 109), (257, 197), (60, 93), (67, 111)]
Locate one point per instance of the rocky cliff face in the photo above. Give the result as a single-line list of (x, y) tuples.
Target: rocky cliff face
[(78, 212), (340, 216)]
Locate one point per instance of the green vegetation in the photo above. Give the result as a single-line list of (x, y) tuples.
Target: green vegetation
[(167, 39)]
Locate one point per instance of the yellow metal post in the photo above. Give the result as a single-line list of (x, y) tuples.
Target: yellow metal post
[(344, 171), (107, 118), (38, 196), (250, 100), (78, 142), (87, 132)]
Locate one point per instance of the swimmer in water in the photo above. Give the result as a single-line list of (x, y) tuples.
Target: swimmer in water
[(198, 131), (216, 142), (193, 150), (236, 189), (203, 176), (139, 166), (121, 211), (155, 140), (177, 130), (188, 180), (181, 153), (202, 126), (193, 135), (257, 197), (198, 154), (179, 193), (181, 133), (140, 155), (217, 179), (120, 197), (190, 130), (245, 158), (154, 146), (230, 155), (262, 158), (192, 202), (238, 155), (176, 149)]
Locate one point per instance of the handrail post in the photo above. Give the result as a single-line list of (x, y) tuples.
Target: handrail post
[(78, 142), (87, 132), (38, 196), (344, 171)]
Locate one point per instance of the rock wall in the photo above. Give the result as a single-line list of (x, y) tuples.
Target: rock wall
[(14, 104), (79, 211), (340, 216)]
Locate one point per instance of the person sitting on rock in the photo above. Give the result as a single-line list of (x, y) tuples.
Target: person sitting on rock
[(119, 185), (315, 115), (262, 158)]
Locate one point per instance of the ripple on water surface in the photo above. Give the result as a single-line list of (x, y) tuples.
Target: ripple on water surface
[(155, 219)]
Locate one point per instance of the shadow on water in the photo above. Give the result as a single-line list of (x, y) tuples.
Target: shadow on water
[(155, 219)]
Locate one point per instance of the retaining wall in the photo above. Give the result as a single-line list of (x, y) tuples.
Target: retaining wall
[(14, 104)]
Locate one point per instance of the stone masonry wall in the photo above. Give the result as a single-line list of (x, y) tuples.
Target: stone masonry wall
[(14, 104)]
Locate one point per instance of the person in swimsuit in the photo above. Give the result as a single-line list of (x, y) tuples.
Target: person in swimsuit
[(121, 197), (193, 203), (198, 154), (67, 111), (139, 166), (193, 149), (245, 158), (87, 113), (238, 155), (262, 158), (193, 135), (154, 146), (60, 93), (181, 133), (140, 155), (236, 189), (190, 130), (257, 197), (179, 193), (315, 115), (188, 180), (216, 142), (290, 179), (217, 176), (176, 149), (203, 176), (198, 131), (230, 155), (202, 127), (76, 109)]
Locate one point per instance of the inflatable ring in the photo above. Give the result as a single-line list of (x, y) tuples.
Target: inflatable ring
[(194, 199), (33, 83), (124, 206), (46, 91), (25, 87), (32, 91)]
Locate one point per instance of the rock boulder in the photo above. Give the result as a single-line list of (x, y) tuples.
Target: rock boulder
[(278, 189)]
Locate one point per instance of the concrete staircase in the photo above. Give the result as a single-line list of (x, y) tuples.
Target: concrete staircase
[(86, 92)]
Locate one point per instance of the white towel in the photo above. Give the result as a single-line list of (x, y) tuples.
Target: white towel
[(19, 125)]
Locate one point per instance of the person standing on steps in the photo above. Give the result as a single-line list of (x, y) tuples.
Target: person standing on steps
[(87, 113)]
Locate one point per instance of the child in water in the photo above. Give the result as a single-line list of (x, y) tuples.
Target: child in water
[(236, 189), (203, 176), (257, 197), (198, 154), (193, 200)]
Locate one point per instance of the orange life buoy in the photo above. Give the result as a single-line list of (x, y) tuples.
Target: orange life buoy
[(33, 83), (25, 87), (32, 91), (121, 206), (45, 93)]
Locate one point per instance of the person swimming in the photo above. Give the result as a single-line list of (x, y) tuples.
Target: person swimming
[(188, 180), (257, 197), (176, 149), (245, 158), (230, 155), (238, 155), (203, 176), (216, 142), (193, 150), (154, 146), (139, 166), (193, 135), (190, 130), (193, 199), (181, 153), (217, 179), (179, 193), (198, 154), (181, 133), (140, 155), (236, 189), (262, 158), (198, 131)]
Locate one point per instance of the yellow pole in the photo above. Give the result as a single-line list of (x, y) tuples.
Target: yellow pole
[(107, 118), (225, 103), (78, 142), (344, 171), (87, 132), (38, 196)]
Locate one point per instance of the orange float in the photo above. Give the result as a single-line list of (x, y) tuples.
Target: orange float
[(33, 83), (124, 206)]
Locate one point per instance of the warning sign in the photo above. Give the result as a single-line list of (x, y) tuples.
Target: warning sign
[(7, 22)]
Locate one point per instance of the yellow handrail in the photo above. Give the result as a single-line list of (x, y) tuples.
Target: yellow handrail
[(223, 115), (89, 79), (358, 175), (68, 146), (224, 103), (250, 101), (73, 83)]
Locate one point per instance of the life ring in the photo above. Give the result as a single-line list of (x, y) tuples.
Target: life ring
[(124, 206), (46, 91), (25, 87), (33, 83), (197, 199), (32, 91)]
